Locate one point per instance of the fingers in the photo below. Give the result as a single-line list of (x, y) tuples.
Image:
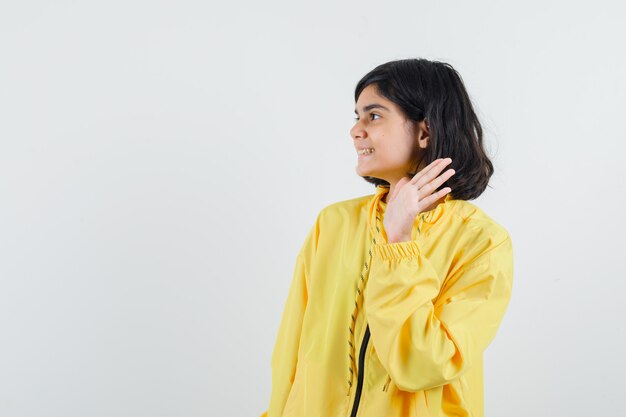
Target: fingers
[(434, 184), (427, 183), (428, 168), (431, 171), (428, 201)]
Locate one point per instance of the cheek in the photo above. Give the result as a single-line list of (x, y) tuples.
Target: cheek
[(407, 148), (396, 151), (391, 156)]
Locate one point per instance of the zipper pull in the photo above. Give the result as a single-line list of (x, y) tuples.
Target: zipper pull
[(387, 383)]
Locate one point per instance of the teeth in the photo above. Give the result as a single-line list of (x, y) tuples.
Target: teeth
[(366, 151)]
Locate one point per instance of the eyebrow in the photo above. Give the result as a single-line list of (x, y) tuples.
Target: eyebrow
[(372, 106)]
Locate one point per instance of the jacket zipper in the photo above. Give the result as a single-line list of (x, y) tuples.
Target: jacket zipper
[(359, 387)]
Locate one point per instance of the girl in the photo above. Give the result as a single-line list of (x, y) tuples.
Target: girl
[(396, 294)]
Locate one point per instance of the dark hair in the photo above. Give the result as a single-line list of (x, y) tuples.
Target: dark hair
[(434, 91)]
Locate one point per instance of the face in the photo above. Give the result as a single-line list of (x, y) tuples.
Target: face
[(398, 143)]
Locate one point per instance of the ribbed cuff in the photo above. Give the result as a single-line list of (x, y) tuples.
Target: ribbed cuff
[(397, 250)]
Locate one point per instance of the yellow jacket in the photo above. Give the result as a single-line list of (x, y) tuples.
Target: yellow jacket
[(391, 329)]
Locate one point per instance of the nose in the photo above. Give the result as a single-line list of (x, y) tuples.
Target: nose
[(357, 132)]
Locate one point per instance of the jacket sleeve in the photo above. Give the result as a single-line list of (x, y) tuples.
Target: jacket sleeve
[(428, 331), (285, 353)]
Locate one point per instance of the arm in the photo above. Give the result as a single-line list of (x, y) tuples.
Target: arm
[(285, 353), (427, 334)]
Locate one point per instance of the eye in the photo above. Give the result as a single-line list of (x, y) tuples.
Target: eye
[(371, 114)]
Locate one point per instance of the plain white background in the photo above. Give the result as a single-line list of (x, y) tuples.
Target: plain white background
[(161, 163)]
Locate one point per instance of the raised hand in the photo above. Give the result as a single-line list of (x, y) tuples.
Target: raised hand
[(412, 196)]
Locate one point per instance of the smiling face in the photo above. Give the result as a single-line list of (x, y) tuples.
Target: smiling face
[(397, 142)]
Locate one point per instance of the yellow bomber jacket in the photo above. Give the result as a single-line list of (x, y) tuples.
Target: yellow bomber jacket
[(375, 329)]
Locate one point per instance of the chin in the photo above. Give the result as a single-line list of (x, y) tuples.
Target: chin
[(363, 172), (366, 172)]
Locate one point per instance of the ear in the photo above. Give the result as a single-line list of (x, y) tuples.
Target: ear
[(423, 134)]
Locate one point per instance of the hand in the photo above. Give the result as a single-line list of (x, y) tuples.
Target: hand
[(412, 196)]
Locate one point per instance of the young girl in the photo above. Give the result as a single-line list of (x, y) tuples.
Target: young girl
[(396, 294)]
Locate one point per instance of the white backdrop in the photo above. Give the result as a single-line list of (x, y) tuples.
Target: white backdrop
[(161, 163)]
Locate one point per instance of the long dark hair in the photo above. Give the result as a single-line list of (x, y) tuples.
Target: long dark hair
[(434, 91)]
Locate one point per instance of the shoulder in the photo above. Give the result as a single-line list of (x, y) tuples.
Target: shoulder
[(339, 216), (477, 225), (344, 209)]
